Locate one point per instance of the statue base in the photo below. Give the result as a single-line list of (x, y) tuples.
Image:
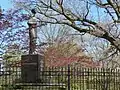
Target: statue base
[(32, 67)]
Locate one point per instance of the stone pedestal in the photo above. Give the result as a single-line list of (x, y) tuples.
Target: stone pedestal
[(32, 68)]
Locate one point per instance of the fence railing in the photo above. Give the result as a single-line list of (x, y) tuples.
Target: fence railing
[(62, 78)]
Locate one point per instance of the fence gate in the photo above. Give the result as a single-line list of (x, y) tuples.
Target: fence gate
[(64, 78)]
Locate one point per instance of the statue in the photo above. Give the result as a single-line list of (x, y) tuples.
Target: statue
[(32, 23), (32, 65)]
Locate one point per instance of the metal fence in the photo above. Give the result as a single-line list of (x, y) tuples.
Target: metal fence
[(62, 78)]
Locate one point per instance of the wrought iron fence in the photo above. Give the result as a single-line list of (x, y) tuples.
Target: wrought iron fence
[(62, 78)]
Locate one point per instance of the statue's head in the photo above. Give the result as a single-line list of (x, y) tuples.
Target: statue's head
[(33, 11)]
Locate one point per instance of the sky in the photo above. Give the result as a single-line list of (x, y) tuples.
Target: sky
[(6, 4)]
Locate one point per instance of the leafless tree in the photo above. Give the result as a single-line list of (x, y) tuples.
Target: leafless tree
[(98, 18)]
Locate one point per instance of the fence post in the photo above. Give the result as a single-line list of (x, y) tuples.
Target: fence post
[(68, 77)]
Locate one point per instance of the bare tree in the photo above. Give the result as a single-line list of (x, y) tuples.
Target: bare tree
[(77, 14), (94, 17)]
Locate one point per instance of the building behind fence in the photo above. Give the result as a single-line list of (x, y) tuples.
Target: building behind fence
[(62, 78)]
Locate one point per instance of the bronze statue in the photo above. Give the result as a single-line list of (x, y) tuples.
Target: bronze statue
[(32, 23)]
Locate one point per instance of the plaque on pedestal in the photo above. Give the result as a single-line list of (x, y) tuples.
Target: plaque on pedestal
[(32, 68)]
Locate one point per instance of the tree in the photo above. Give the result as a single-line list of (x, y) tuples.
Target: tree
[(11, 59), (12, 31), (60, 47), (94, 17), (59, 44), (12, 56), (63, 13)]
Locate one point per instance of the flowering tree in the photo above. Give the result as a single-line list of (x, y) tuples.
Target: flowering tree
[(12, 30), (68, 53), (60, 47)]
